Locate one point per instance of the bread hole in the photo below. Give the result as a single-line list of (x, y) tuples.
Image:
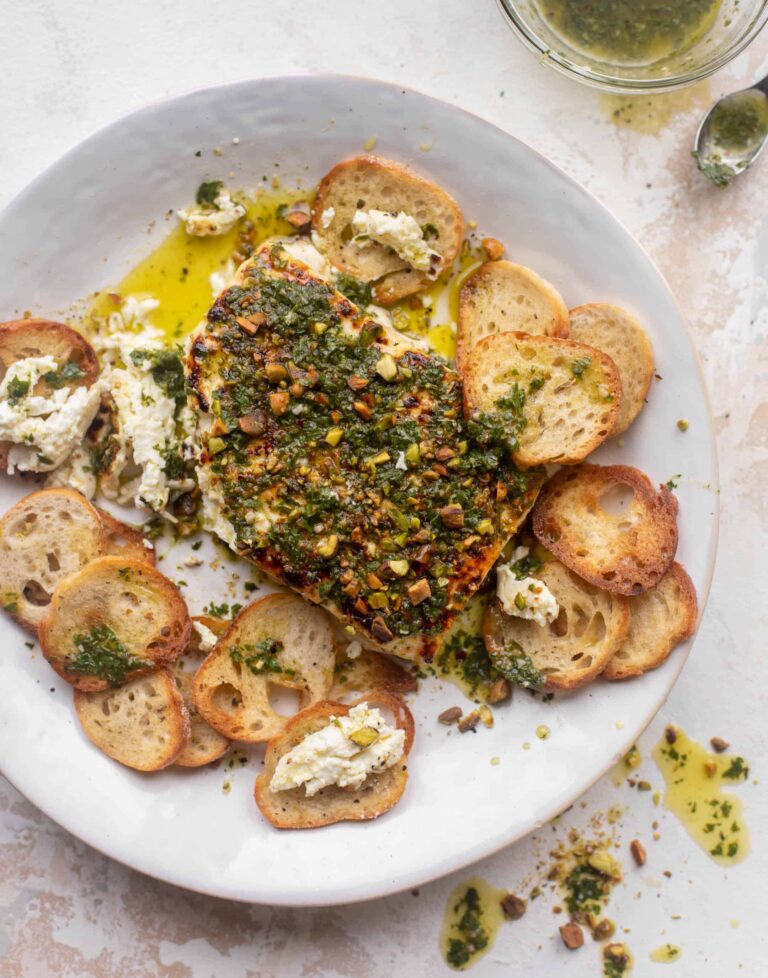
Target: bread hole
[(283, 700), (581, 621), (65, 516), (35, 594), (585, 661), (527, 353), (608, 575), (559, 626), (596, 631), (53, 562), (616, 502), (227, 698), (130, 598)]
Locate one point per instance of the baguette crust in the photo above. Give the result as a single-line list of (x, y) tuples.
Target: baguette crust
[(205, 744), (572, 393), (143, 725), (142, 607), (661, 618), (618, 333), (502, 297), (234, 698), (44, 538), (576, 647), (124, 540), (626, 553), (292, 809), (370, 183), (22, 338)]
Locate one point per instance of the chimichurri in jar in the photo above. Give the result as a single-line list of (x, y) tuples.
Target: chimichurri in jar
[(630, 32)]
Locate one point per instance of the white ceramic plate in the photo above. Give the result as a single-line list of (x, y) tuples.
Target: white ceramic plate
[(81, 225)]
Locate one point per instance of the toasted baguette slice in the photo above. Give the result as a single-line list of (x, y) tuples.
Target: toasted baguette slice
[(128, 616), (205, 744), (571, 393), (143, 724), (660, 619), (618, 333), (368, 670), (292, 809), (501, 297), (367, 183), (627, 551), (44, 538), (124, 540), (24, 338), (290, 644), (577, 645)]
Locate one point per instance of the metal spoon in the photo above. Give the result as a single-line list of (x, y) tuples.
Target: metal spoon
[(733, 134)]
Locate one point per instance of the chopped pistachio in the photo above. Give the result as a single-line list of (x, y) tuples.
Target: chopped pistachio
[(412, 454), (216, 445), (334, 436), (605, 864), (327, 547), (387, 367), (485, 527), (275, 372), (364, 737), (398, 567)]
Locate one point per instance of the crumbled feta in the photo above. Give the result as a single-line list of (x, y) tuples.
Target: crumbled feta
[(401, 463), (525, 597), (201, 222), (43, 430), (146, 433), (354, 649), (332, 756), (207, 638), (75, 473), (213, 508), (327, 217), (147, 429), (400, 232)]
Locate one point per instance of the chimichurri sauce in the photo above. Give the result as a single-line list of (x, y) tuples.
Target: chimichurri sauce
[(630, 31)]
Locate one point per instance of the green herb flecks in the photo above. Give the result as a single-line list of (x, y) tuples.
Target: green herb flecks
[(207, 193), (630, 31), (64, 375), (101, 653), (17, 388), (262, 658), (525, 566), (473, 936), (356, 291), (579, 365), (167, 372), (517, 667)]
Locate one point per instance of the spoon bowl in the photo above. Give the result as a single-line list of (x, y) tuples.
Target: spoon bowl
[(733, 133)]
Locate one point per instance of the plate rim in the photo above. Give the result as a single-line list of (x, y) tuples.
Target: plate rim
[(448, 864)]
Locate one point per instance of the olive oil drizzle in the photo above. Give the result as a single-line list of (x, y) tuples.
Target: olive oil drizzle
[(473, 916), (695, 779)]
